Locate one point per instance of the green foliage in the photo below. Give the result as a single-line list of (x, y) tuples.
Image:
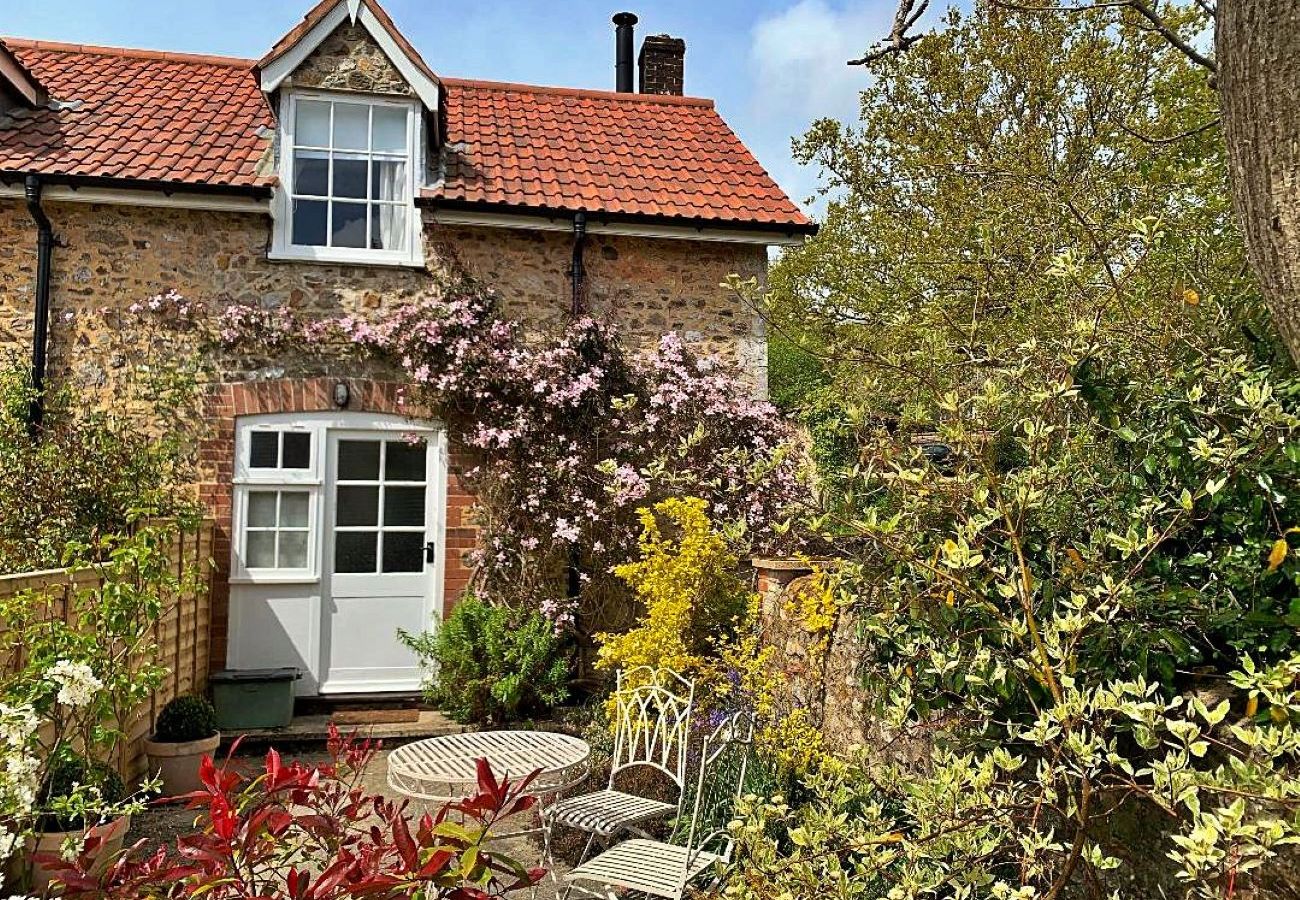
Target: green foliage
[(90, 472), (186, 718), (794, 375), (1085, 599), (493, 664), (981, 155), (71, 774)]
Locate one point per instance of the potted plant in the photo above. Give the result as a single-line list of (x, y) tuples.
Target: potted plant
[(186, 731), (78, 799)]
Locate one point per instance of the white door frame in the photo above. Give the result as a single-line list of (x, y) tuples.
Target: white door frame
[(277, 617)]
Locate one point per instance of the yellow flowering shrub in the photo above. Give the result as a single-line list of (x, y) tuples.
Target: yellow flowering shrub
[(700, 618), (687, 582)]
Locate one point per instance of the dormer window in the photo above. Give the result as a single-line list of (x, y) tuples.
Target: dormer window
[(348, 177)]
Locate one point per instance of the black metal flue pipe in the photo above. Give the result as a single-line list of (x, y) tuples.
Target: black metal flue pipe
[(41, 314), (623, 40)]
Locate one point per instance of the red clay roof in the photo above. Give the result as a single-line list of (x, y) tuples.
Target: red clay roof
[(630, 154), (138, 115), (201, 121)]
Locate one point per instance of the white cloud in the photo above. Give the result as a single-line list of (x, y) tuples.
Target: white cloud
[(798, 57), (798, 62)]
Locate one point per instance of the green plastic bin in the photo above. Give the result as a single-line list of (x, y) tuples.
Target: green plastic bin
[(253, 698)]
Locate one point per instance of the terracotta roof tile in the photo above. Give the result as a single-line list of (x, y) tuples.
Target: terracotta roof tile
[(605, 152), (136, 114), (202, 120)]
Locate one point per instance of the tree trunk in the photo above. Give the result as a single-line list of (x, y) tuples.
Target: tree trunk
[(1257, 45)]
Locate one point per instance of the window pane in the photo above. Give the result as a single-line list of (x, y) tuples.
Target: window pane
[(355, 551), (311, 173), (349, 177), (293, 509), (359, 460), (387, 227), (312, 125), (309, 223), (261, 509), (404, 506), (351, 126), (403, 551), (357, 506), (293, 550), (405, 461), (389, 180), (264, 449), (390, 129), (349, 228), (297, 450), (261, 550)]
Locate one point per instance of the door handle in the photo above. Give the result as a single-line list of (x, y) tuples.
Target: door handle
[(430, 552)]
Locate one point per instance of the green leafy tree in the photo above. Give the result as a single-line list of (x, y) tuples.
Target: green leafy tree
[(1068, 535)]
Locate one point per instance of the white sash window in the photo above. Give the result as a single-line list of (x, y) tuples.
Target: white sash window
[(348, 176)]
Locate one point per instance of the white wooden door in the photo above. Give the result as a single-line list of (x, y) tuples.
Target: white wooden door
[(381, 557)]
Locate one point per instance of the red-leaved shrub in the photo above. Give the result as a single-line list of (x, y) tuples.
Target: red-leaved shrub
[(298, 832)]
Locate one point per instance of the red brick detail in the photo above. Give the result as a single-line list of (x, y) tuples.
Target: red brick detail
[(227, 402)]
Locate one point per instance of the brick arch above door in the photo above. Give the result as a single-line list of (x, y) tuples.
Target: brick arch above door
[(226, 402)]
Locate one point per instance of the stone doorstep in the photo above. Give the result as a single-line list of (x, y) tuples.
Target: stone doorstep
[(314, 729)]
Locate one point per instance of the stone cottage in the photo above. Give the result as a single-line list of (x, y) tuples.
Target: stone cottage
[(341, 173)]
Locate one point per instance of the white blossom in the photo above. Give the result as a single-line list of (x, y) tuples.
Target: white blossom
[(77, 682)]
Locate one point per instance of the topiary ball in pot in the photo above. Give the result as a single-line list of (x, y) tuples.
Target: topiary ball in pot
[(184, 719), (186, 731)]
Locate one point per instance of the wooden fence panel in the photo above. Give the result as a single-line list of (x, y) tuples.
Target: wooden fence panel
[(181, 634)]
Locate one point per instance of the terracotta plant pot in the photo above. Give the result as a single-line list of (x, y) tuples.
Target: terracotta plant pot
[(50, 843), (179, 763)]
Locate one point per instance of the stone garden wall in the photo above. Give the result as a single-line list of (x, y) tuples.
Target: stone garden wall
[(821, 667)]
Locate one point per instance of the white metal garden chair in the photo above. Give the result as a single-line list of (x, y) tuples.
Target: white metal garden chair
[(652, 727), (660, 869)]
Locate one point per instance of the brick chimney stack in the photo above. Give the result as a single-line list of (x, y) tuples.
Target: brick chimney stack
[(662, 63)]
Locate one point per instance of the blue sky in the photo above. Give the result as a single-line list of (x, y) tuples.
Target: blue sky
[(773, 66)]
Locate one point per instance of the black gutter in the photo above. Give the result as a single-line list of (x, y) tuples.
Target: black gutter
[(257, 191), (613, 218), (41, 316), (577, 270)]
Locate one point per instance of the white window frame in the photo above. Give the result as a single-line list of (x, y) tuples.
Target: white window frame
[(282, 247), (248, 479)]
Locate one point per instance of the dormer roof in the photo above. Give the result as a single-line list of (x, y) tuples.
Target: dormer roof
[(322, 20), (18, 81)]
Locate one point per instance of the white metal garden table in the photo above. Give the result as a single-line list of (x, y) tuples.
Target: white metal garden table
[(445, 768)]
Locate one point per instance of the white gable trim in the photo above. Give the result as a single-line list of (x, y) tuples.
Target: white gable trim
[(275, 73)]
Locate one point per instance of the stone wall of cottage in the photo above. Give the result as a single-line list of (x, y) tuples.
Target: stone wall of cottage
[(113, 256), (349, 60)]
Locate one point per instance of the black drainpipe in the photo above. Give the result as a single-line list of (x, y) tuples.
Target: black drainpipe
[(578, 271), (41, 318)]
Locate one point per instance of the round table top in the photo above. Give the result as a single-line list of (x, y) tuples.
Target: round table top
[(446, 767)]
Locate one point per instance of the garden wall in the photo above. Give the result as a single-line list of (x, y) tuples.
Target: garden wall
[(182, 634), (821, 667)]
